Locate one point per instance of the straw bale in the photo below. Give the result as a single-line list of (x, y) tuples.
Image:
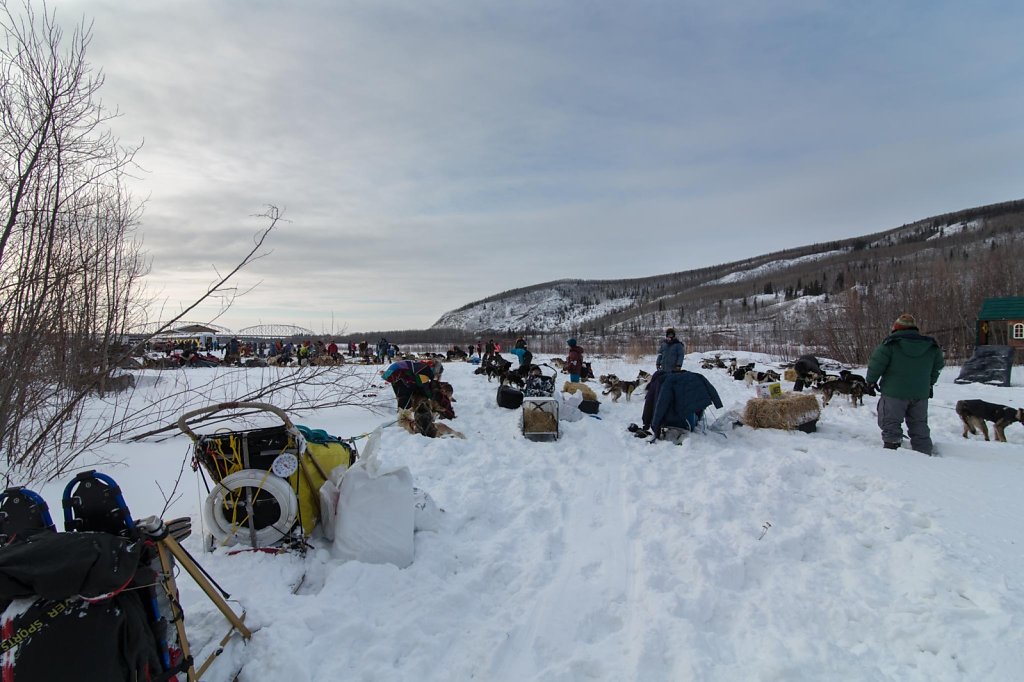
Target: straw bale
[(787, 412), (539, 421)]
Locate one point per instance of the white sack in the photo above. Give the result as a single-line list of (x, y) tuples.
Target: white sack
[(569, 410), (375, 521)]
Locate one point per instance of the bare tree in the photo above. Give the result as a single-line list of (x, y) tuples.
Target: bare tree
[(71, 267)]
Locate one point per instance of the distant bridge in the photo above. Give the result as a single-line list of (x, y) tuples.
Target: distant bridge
[(275, 331), (185, 328), (180, 327)]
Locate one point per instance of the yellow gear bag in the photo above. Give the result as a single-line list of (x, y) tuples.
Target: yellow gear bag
[(319, 459)]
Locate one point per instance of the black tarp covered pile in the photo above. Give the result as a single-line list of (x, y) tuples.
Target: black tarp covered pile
[(988, 365)]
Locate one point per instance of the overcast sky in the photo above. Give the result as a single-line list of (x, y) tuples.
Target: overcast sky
[(427, 154)]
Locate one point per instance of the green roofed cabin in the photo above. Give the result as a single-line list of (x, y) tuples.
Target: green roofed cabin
[(1001, 322)]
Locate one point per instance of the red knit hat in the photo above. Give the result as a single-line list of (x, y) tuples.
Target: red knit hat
[(904, 321)]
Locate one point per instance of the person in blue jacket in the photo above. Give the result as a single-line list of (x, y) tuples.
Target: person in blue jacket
[(670, 352), (525, 358)]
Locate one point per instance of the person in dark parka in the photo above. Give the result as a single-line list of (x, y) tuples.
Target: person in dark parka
[(905, 365), (670, 352), (807, 370)]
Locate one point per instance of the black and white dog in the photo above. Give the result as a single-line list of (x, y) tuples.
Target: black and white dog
[(975, 413)]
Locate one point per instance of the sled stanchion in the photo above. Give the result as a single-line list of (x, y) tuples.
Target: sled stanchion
[(166, 545), (176, 611), (179, 553)]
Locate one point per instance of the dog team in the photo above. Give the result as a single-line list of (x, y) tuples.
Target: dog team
[(902, 371)]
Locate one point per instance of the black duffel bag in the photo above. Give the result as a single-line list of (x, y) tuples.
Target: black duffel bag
[(509, 397)]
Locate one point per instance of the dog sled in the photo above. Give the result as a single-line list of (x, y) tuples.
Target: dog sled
[(271, 485), (539, 406)]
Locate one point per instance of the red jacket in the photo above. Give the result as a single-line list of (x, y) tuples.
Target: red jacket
[(574, 363)]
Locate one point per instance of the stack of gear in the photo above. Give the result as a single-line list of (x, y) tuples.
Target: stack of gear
[(680, 402), (268, 481), (409, 380), (539, 384), (102, 594)]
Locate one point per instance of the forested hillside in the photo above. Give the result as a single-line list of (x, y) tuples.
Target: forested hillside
[(835, 296)]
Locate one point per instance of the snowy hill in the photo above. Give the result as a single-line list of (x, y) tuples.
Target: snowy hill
[(725, 291)]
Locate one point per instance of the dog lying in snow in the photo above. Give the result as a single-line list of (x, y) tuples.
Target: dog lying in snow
[(574, 386), (975, 413), (421, 420)]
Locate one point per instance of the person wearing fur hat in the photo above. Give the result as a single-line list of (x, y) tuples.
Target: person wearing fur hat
[(670, 352), (905, 366), (574, 361)]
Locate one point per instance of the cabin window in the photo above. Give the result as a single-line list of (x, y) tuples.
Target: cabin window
[(1018, 331)]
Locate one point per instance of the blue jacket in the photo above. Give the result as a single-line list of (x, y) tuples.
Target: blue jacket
[(670, 355), (682, 395), (524, 355)]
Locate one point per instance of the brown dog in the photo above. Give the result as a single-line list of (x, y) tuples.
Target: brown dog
[(617, 387), (854, 389), (421, 420), (975, 413)]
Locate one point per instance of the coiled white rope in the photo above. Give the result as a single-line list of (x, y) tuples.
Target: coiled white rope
[(226, 530)]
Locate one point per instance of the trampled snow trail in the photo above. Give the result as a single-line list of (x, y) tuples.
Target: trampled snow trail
[(587, 598)]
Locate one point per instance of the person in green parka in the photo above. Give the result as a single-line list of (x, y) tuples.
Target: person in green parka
[(905, 366)]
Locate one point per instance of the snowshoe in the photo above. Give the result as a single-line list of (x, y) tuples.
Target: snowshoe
[(93, 502), (22, 512)]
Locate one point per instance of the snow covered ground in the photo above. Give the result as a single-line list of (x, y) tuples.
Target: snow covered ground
[(748, 555)]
